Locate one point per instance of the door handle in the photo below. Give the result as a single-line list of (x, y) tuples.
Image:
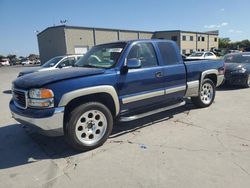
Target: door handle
[(158, 74)]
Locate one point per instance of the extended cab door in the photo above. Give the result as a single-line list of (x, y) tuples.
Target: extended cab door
[(174, 70), (142, 86)]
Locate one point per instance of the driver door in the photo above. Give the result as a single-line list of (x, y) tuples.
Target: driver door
[(143, 86)]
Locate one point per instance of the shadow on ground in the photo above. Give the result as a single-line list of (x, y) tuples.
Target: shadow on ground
[(229, 88), (19, 146)]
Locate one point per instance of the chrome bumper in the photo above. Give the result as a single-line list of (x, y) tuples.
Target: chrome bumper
[(51, 126), (220, 79)]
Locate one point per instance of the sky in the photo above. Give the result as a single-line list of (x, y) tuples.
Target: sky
[(22, 19)]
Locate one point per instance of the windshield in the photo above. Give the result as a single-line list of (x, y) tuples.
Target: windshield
[(102, 56), (196, 54), (237, 58), (52, 62)]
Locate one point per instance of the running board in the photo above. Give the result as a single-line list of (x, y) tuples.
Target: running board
[(138, 116)]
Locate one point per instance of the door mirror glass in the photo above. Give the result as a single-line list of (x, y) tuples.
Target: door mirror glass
[(133, 63)]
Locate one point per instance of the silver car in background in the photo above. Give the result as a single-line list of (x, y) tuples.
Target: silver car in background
[(57, 62)]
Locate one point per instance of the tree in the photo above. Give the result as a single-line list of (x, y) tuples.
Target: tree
[(33, 57), (10, 56), (224, 42), (13, 59), (245, 44), (2, 57)]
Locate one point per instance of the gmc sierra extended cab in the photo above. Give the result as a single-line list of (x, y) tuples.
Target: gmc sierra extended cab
[(122, 80)]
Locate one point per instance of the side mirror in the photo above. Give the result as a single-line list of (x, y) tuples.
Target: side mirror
[(133, 63)]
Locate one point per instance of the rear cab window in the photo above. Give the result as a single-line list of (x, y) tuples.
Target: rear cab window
[(168, 53)]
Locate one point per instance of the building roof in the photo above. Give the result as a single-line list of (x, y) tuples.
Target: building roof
[(96, 28), (216, 32)]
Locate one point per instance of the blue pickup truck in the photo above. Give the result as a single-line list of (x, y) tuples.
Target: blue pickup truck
[(122, 80)]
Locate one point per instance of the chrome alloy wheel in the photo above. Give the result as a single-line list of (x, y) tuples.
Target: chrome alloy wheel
[(206, 93), (91, 127)]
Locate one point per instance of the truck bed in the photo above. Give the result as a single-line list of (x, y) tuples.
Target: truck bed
[(195, 67)]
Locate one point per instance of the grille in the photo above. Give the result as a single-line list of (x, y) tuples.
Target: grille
[(227, 74), (19, 97)]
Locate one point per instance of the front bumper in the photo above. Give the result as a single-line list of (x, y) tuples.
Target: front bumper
[(49, 126), (235, 78), (220, 79)]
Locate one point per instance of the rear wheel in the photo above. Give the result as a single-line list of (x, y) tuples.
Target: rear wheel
[(206, 94), (88, 126)]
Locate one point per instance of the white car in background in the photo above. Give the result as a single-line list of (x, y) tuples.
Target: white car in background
[(26, 62), (202, 55), (57, 62), (4, 62)]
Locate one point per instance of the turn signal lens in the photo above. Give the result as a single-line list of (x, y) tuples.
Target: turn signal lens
[(46, 93), (41, 93)]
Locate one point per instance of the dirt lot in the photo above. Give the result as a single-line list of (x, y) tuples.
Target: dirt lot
[(186, 147)]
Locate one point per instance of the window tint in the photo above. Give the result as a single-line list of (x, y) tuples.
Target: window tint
[(197, 54), (168, 53), (145, 52), (209, 54), (102, 56), (174, 38), (67, 62), (52, 62)]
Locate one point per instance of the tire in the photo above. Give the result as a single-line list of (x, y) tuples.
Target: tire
[(206, 94), (88, 126), (247, 82)]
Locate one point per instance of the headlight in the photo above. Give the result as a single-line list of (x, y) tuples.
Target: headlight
[(20, 74), (43, 98), (41, 93)]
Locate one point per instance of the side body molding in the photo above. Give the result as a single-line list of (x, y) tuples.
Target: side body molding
[(67, 97)]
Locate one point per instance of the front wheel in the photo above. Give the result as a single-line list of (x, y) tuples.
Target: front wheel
[(88, 126), (247, 82), (206, 94)]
